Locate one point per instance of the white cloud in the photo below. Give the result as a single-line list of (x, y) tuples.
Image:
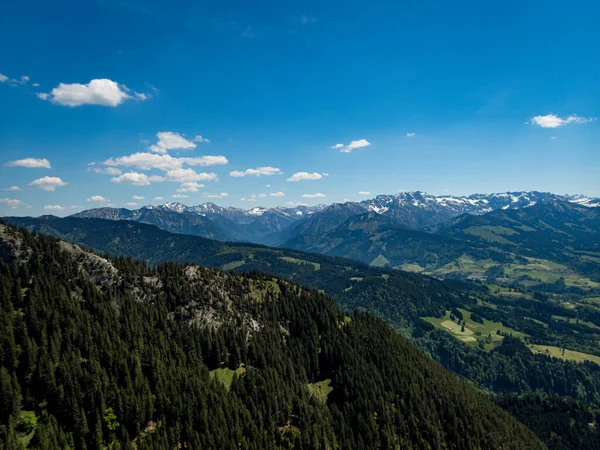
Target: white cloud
[(3, 78), (251, 199), (103, 92), (364, 193), (360, 143), (409, 135), (12, 188), (221, 195), (187, 175), (277, 194), (97, 198), (42, 95), (58, 208), (158, 198), (259, 171), (199, 138), (48, 183), (190, 186), (318, 195), (32, 163), (268, 185), (296, 204), (553, 121), (138, 179), (263, 195), (141, 96), (168, 140), (138, 197), (36, 84), (12, 202), (108, 170), (148, 161), (299, 176), (180, 196), (131, 204)]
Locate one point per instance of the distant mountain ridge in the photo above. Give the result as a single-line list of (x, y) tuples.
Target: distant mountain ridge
[(274, 226)]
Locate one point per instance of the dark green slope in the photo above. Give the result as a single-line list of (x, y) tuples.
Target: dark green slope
[(97, 353), (555, 230), (369, 237)]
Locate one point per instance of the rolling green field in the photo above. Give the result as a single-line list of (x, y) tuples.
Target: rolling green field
[(569, 355), (539, 270)]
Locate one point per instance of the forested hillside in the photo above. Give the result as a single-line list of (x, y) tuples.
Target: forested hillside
[(98, 353), (492, 360)]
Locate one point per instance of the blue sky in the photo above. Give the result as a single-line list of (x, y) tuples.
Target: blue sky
[(376, 97)]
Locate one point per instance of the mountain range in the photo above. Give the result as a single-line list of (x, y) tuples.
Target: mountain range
[(273, 226)]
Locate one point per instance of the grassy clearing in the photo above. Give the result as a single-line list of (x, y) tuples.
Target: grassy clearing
[(411, 268), (380, 261), (474, 332), (569, 355), (320, 390), (571, 320), (492, 234), (317, 266), (356, 279), (233, 265), (28, 423), (225, 375)]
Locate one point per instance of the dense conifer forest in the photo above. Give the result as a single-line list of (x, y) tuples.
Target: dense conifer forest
[(98, 353)]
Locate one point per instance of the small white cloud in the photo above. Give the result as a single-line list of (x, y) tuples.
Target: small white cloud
[(552, 137), (180, 196), (130, 204), (32, 163), (42, 95), (97, 198), (190, 186), (36, 84), (263, 195), (141, 96), (168, 140), (103, 92), (360, 143), (553, 121), (48, 183), (221, 195), (188, 175), (58, 208), (364, 193), (268, 185), (138, 197), (318, 195), (296, 203), (259, 171), (199, 138), (3, 78), (159, 198), (277, 194), (12, 202), (251, 199), (12, 188), (299, 176), (135, 178), (409, 135)]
